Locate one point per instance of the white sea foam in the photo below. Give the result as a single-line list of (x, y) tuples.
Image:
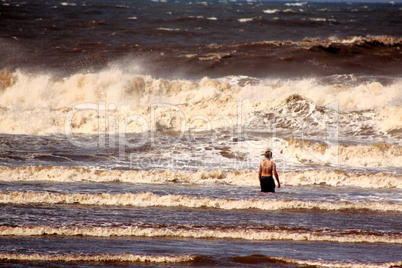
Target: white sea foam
[(205, 232), (169, 29), (239, 178), (130, 258), (96, 258), (318, 19), (148, 199), (245, 20), (271, 11), (68, 4), (289, 10), (298, 4), (75, 102), (337, 264), (374, 155)]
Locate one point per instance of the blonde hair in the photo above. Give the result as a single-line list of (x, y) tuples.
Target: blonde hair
[(268, 154)]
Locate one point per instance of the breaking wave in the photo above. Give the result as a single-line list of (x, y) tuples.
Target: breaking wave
[(114, 100), (240, 178), (336, 264), (110, 258), (373, 155), (208, 232), (148, 199), (130, 258)]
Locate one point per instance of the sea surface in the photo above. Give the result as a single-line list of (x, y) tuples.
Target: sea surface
[(131, 133)]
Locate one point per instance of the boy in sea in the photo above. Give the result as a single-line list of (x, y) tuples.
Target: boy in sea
[(266, 172)]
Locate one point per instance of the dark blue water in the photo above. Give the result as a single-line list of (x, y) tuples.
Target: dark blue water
[(258, 38)]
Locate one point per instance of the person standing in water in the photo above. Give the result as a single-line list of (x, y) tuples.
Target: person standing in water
[(266, 173)]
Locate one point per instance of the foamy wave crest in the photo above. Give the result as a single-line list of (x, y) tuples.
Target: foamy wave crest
[(337, 264), (129, 258), (271, 11), (206, 232), (341, 178), (86, 102), (298, 4), (115, 258), (148, 199), (239, 178), (373, 155)]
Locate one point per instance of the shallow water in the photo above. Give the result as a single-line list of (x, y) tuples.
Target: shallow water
[(131, 133)]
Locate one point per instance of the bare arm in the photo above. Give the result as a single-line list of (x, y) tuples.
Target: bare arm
[(259, 172), (276, 175)]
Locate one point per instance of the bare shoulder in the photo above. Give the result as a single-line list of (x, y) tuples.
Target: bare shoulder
[(263, 162)]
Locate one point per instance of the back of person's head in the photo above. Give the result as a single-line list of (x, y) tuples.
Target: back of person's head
[(268, 154)]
